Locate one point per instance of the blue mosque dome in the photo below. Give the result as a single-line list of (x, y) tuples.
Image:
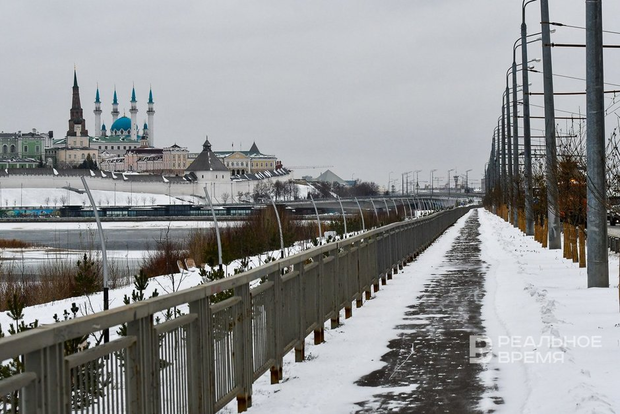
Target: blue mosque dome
[(122, 126)]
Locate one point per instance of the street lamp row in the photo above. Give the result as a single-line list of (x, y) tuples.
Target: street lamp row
[(502, 169)]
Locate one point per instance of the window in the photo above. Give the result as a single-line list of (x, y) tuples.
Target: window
[(36, 149), (5, 149), (83, 156), (12, 149), (25, 148), (106, 147)]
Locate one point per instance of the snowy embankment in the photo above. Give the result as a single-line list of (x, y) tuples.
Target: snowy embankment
[(555, 343), (164, 284)]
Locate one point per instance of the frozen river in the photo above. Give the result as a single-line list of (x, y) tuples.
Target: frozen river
[(126, 242)]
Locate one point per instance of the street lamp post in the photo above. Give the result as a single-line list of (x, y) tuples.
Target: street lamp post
[(515, 144), (390, 181), (104, 256), (467, 180), (417, 185), (508, 137), (432, 171), (449, 171), (550, 147), (598, 261), (527, 139)]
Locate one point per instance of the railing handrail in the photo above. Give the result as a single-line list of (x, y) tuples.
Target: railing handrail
[(323, 288), (49, 334)]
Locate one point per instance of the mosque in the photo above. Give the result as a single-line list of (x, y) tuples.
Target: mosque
[(124, 133)]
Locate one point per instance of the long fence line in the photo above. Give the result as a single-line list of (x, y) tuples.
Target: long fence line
[(210, 353)]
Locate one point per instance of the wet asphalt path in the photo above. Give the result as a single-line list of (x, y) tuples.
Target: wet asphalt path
[(430, 355)]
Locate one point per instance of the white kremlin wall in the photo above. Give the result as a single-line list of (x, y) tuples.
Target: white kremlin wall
[(173, 187)]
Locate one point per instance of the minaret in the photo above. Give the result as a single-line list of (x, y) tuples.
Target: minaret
[(144, 141), (115, 112), (134, 112), (77, 124), (97, 112), (104, 130), (151, 113)]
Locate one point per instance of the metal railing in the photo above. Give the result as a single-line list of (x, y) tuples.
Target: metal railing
[(208, 354)]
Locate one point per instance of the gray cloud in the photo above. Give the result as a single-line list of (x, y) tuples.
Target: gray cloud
[(366, 86)]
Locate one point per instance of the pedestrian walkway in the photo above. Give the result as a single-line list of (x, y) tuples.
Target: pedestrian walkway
[(366, 364), (407, 349), (430, 350)]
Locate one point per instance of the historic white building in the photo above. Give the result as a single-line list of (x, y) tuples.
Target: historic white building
[(208, 171)]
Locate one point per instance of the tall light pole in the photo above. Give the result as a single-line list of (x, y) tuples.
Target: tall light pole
[(510, 178), (515, 134), (417, 186), (597, 259), (432, 171), (467, 180), (449, 171), (553, 211), (104, 256), (390, 180), (527, 139), (406, 182)]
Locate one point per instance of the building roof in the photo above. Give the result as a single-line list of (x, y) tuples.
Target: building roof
[(121, 124), (73, 172), (254, 149), (207, 160), (114, 139), (146, 151), (275, 174), (329, 177)]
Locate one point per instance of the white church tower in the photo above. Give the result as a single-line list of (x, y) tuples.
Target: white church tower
[(134, 112), (97, 112), (151, 114)]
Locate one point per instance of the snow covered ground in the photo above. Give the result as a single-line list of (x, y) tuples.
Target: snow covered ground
[(56, 197), (560, 342), (563, 339), (533, 296)]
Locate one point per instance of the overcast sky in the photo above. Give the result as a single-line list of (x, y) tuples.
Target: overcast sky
[(372, 89)]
